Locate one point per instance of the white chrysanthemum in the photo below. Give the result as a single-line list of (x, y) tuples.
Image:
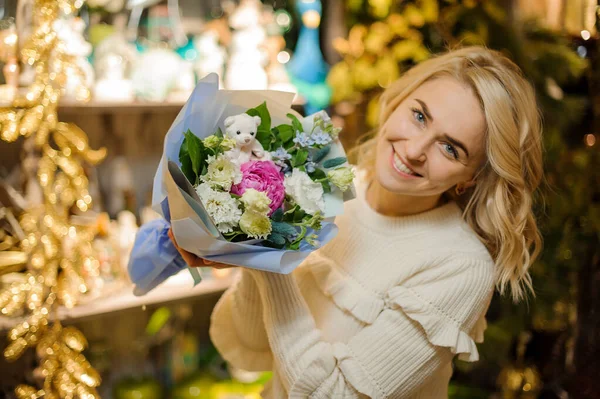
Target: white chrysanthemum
[(305, 192), (221, 207), (341, 177), (222, 172), (256, 201), (255, 225)]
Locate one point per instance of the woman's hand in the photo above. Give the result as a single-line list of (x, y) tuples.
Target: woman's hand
[(193, 260)]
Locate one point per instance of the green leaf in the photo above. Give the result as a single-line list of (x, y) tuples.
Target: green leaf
[(183, 150), (299, 158), (332, 163), (285, 133), (186, 168), (196, 151), (295, 123), (266, 139), (318, 174), (300, 236), (299, 215), (288, 145), (321, 153), (292, 210), (285, 229), (277, 216), (275, 240), (219, 133), (209, 151), (288, 216), (276, 144), (264, 135), (326, 187), (235, 236), (263, 112)]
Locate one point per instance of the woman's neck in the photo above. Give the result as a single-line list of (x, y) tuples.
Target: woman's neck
[(388, 203)]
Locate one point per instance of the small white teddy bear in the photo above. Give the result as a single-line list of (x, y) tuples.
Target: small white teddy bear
[(243, 128)]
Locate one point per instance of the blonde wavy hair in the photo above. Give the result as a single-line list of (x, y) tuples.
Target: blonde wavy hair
[(499, 207)]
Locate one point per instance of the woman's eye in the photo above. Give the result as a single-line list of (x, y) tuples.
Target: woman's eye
[(419, 116), (449, 148)]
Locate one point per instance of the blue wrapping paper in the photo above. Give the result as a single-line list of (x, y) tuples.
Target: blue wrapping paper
[(154, 258)]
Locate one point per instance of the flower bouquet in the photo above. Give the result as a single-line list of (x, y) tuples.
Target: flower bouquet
[(244, 180)]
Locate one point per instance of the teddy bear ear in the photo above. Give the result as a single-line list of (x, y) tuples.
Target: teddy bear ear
[(229, 121), (257, 120)]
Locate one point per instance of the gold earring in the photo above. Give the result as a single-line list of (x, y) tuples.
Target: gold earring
[(460, 189)]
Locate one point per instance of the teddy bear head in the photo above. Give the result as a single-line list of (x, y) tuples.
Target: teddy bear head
[(242, 128)]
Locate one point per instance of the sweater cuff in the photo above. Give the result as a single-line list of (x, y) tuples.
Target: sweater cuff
[(295, 340), (237, 328)]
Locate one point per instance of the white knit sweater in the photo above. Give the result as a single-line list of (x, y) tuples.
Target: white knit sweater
[(380, 311)]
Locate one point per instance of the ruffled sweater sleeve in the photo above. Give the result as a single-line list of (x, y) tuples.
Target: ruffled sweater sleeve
[(418, 331), (237, 328)]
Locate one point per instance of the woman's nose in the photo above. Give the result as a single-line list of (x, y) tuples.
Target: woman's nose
[(415, 149)]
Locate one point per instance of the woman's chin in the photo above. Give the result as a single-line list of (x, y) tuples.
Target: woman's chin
[(390, 183)]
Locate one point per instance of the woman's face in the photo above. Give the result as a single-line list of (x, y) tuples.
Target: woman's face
[(432, 141)]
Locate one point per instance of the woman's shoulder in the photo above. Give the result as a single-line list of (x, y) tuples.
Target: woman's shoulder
[(462, 238)]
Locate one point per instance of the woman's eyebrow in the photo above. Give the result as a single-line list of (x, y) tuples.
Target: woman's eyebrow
[(425, 109), (456, 143)]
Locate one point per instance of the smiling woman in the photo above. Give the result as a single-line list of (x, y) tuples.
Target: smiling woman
[(442, 215), (463, 126)]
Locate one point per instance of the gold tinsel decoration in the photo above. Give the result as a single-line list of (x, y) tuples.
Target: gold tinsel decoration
[(55, 258)]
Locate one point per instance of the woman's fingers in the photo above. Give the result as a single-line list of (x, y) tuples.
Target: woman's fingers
[(191, 259)]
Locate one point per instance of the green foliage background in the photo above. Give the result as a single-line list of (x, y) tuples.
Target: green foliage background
[(385, 39)]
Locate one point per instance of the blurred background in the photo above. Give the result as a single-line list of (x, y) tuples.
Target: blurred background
[(135, 62)]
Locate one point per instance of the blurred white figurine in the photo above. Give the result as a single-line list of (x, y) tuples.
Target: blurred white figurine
[(118, 182), (158, 71), (114, 60), (247, 59), (211, 56)]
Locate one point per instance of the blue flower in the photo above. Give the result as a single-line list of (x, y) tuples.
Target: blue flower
[(310, 167), (281, 154), (321, 138), (303, 139)]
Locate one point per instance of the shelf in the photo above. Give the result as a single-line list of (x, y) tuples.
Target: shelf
[(175, 288), (112, 107), (95, 107)]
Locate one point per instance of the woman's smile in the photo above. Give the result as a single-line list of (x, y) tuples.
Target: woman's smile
[(403, 170)]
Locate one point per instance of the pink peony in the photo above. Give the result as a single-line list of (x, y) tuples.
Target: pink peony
[(262, 176)]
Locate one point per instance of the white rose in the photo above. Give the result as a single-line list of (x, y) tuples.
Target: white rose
[(305, 192)]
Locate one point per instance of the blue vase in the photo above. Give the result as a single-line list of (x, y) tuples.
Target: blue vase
[(307, 68)]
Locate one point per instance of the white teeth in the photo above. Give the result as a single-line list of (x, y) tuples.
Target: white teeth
[(401, 166)]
